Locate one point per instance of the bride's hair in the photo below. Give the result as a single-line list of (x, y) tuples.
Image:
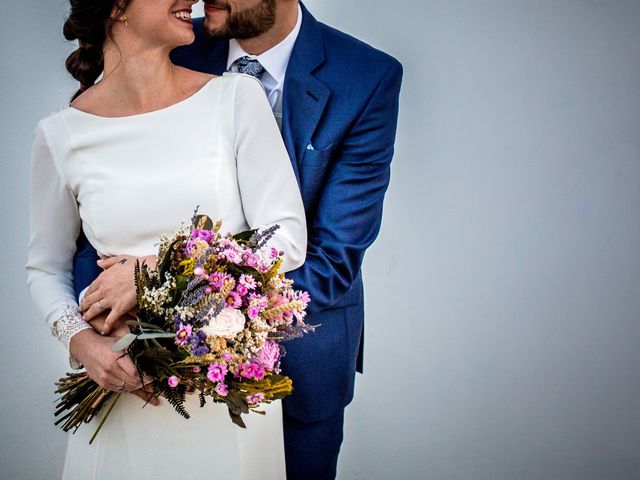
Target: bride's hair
[(89, 22)]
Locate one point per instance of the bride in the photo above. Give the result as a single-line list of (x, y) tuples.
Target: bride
[(128, 160)]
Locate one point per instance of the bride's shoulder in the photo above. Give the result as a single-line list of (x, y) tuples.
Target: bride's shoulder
[(194, 80), (198, 80), (245, 86), (229, 85), (52, 123)]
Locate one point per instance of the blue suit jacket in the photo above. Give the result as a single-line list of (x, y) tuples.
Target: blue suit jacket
[(340, 112)]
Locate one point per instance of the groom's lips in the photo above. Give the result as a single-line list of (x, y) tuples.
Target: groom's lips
[(212, 7)]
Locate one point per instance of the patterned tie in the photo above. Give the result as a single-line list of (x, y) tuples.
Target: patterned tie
[(250, 66)]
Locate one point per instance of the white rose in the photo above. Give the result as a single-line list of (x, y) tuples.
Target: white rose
[(227, 324)]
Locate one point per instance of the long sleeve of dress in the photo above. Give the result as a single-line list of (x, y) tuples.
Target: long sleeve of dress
[(268, 187), (55, 225)]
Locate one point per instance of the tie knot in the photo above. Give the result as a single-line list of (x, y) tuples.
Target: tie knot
[(250, 66)]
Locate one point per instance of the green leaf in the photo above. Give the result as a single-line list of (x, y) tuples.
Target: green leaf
[(135, 323), (237, 419), (146, 336), (246, 235), (165, 264), (124, 342), (236, 403)]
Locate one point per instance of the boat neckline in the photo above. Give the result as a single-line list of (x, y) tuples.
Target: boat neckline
[(159, 110)]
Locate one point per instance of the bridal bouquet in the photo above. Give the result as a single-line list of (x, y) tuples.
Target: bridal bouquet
[(211, 318)]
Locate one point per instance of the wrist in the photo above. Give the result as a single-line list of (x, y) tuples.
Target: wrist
[(150, 260), (78, 342), (77, 345)]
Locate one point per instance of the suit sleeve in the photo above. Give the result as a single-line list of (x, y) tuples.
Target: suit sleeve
[(349, 212)]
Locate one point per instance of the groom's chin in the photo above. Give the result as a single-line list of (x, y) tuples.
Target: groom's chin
[(213, 32), (215, 20)]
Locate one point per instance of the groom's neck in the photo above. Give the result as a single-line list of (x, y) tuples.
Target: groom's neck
[(286, 17)]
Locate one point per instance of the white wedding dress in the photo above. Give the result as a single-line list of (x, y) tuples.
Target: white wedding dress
[(125, 181)]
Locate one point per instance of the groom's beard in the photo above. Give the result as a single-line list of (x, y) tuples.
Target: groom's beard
[(243, 24)]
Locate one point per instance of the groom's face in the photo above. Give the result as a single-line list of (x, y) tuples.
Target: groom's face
[(240, 19)]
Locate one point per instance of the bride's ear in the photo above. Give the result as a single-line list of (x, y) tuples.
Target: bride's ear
[(117, 12)]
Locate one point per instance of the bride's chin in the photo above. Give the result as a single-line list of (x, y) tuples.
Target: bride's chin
[(184, 40)]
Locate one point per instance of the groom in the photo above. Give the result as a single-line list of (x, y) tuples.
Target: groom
[(336, 102)]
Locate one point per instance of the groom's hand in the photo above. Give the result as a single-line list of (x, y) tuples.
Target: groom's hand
[(113, 290), (120, 329), (114, 371)]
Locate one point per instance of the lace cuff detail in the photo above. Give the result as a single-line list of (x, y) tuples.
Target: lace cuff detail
[(67, 326)]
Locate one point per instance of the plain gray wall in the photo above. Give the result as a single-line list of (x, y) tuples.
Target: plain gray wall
[(503, 294)]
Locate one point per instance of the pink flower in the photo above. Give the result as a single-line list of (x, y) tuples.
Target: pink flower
[(198, 271), (251, 259), (183, 334), (198, 238), (217, 372), (250, 370), (231, 255), (268, 355), (173, 381), (253, 313), (276, 301), (227, 357), (205, 235), (233, 300), (248, 281), (196, 369), (303, 297), (222, 389), (242, 290), (259, 301), (216, 279), (255, 398)]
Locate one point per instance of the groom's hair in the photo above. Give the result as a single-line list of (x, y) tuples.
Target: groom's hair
[(89, 22)]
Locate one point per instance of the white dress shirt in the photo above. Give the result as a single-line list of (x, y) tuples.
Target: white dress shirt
[(274, 61)]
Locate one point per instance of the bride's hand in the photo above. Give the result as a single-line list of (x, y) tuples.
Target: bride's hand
[(113, 290), (120, 326)]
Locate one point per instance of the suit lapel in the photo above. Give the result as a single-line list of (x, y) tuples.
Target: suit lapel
[(305, 97)]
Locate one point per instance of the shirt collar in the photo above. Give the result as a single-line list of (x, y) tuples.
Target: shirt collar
[(274, 60)]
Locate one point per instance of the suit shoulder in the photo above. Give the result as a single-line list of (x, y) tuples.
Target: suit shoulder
[(344, 48)]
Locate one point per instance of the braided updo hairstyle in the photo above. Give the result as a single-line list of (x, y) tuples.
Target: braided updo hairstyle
[(89, 22)]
